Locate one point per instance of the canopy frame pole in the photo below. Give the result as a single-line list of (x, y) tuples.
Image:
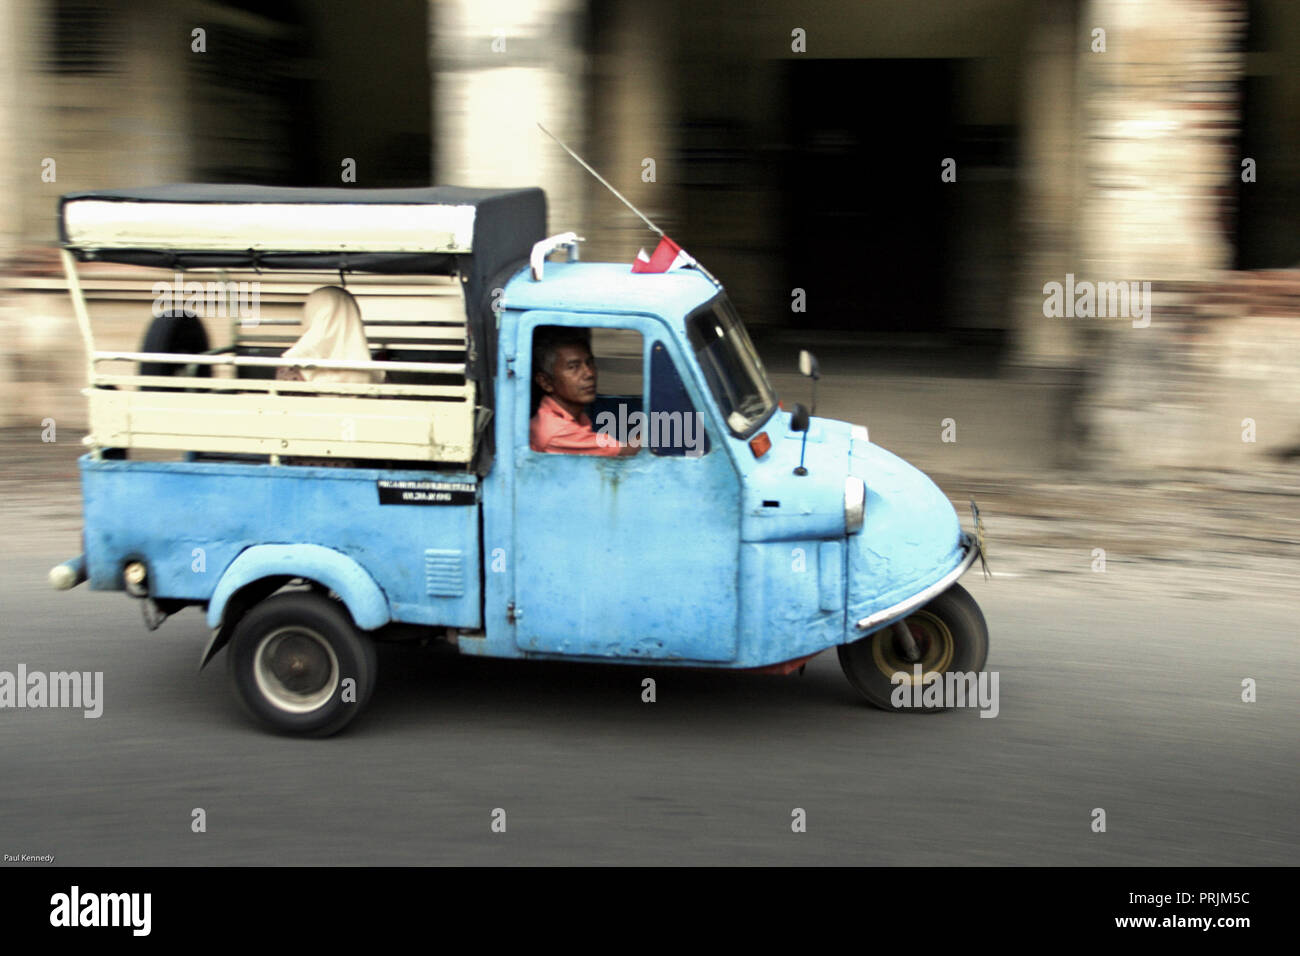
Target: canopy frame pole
[(79, 309)]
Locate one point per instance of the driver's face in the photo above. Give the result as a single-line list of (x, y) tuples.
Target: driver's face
[(573, 380)]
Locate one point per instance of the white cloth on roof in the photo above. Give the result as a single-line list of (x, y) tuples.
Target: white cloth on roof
[(333, 331)]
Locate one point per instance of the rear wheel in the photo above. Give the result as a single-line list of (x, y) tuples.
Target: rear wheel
[(948, 635), (299, 665)]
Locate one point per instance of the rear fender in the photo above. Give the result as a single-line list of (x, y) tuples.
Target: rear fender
[(276, 564)]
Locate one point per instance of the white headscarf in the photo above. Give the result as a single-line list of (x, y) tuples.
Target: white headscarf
[(333, 331)]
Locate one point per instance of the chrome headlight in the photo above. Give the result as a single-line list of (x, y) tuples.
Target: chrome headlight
[(855, 503)]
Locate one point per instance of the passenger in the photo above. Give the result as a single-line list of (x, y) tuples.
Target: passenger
[(565, 371), (333, 331)]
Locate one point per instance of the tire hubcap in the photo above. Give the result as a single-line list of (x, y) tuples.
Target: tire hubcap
[(934, 647), (295, 669)]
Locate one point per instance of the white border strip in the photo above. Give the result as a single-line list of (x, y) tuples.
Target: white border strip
[(269, 227)]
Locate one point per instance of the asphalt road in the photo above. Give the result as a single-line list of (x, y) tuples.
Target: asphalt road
[(1118, 691)]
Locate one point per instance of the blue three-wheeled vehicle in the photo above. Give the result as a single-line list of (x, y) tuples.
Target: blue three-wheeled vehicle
[(384, 466)]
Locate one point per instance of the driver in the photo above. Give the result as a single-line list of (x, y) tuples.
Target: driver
[(565, 371)]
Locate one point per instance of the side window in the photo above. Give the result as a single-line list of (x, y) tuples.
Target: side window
[(618, 362), (674, 427), (586, 391)]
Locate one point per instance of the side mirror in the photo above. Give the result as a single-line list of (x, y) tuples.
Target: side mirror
[(799, 417), (808, 365)]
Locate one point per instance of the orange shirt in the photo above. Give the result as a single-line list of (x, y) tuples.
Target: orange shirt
[(555, 430)]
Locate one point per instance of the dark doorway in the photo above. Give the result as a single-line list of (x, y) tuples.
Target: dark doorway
[(1268, 207), (868, 220)]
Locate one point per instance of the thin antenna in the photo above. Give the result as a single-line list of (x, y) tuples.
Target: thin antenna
[(601, 178), (695, 263)]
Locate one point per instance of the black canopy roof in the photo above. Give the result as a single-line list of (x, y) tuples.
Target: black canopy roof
[(506, 224)]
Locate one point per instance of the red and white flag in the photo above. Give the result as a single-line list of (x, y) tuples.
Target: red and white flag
[(668, 255)]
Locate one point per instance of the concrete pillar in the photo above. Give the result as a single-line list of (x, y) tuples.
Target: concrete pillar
[(20, 168), (1161, 113), (1051, 179), (631, 95), (500, 67)]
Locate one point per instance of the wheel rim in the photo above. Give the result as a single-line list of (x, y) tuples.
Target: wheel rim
[(934, 642), (296, 669)]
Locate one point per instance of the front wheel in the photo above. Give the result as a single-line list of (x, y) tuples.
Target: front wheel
[(299, 665), (948, 635)]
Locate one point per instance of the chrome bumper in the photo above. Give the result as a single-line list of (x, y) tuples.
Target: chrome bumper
[(903, 608)]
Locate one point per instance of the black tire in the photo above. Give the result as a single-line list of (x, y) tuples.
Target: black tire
[(289, 659), (175, 333), (950, 634)]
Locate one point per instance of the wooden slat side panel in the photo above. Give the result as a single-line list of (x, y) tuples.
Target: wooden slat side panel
[(212, 385), (344, 427)]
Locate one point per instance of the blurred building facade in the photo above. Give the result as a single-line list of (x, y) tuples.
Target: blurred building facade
[(787, 146)]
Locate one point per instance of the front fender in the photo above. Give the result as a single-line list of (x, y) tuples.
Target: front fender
[(910, 539), (335, 570)]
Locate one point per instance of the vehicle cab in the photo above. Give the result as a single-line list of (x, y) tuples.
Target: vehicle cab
[(775, 562)]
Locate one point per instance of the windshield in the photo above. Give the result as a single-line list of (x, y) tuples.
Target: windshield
[(731, 366)]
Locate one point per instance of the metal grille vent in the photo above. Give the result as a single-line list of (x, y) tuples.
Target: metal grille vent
[(444, 573)]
